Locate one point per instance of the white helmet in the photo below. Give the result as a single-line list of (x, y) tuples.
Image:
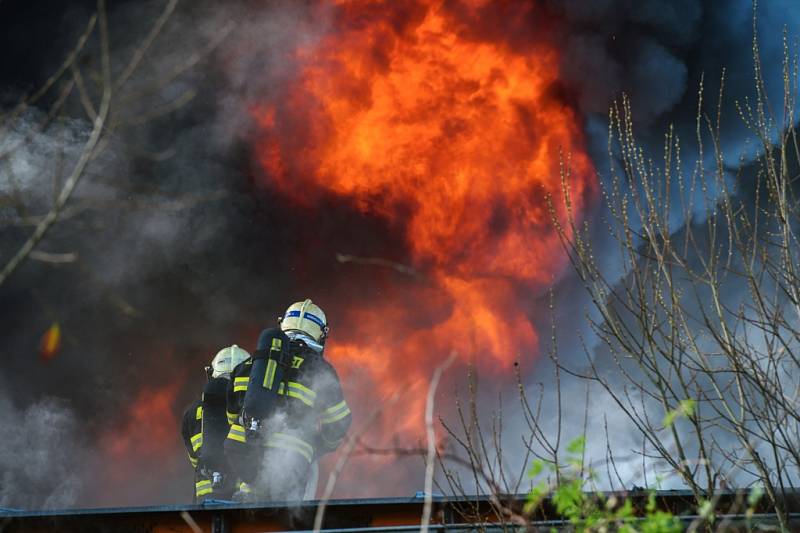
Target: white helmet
[(306, 317), (226, 360)]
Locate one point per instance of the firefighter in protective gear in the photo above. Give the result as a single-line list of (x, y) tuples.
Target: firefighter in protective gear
[(285, 406), (205, 426)]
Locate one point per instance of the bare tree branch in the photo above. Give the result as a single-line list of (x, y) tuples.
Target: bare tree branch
[(431, 435), (56, 259), (84, 159), (377, 261)]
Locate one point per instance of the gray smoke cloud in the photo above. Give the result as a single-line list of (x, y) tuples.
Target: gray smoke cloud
[(656, 53), (29, 152), (43, 458)]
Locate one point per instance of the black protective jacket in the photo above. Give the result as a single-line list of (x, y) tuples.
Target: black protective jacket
[(310, 416)]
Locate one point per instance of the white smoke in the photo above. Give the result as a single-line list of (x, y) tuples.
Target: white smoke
[(34, 154), (42, 455)]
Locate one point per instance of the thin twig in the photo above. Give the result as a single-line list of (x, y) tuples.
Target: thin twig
[(54, 258), (70, 59), (139, 53), (191, 522), (344, 456), (431, 433), (377, 261)]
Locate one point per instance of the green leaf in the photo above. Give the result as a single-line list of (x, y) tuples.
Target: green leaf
[(536, 468), (577, 446), (535, 497), (575, 463), (706, 510), (569, 498), (651, 502), (685, 408), (626, 511), (660, 522), (755, 496)]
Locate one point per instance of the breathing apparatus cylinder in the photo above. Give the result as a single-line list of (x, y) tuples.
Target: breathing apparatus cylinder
[(269, 363), (214, 423)]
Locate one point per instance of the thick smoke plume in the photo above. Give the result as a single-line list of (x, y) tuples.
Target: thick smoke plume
[(185, 244)]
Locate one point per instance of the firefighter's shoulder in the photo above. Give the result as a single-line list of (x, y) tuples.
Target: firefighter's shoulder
[(243, 368), (317, 365), (192, 415), (191, 412)]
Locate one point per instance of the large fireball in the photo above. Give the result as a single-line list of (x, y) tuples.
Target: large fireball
[(410, 112)]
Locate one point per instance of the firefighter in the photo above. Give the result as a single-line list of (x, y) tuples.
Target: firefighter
[(205, 426), (286, 407)]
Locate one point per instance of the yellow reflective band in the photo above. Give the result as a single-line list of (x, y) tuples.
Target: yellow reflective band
[(199, 413), (197, 441), (269, 375), (276, 344), (331, 443), (291, 443), (280, 388), (244, 487), (302, 393), (278, 436), (232, 417), (336, 418), (302, 388), (240, 384), (202, 488), (237, 433), (289, 447), (335, 408), (335, 413), (300, 397), (192, 459)]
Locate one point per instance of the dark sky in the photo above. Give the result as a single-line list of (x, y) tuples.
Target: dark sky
[(33, 34)]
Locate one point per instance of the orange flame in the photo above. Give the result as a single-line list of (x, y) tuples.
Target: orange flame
[(147, 428), (139, 450), (458, 140)]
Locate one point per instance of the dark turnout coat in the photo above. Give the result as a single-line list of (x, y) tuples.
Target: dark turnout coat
[(309, 416)]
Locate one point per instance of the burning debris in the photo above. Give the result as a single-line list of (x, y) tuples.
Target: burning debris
[(51, 342)]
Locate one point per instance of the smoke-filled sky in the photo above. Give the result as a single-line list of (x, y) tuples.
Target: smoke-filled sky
[(423, 133)]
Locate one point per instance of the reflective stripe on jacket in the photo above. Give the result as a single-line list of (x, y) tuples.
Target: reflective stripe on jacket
[(314, 416)]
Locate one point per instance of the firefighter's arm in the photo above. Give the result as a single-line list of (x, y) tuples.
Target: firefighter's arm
[(187, 432), (334, 416), (231, 402)]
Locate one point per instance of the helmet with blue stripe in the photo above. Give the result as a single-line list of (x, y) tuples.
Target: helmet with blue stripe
[(306, 317)]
